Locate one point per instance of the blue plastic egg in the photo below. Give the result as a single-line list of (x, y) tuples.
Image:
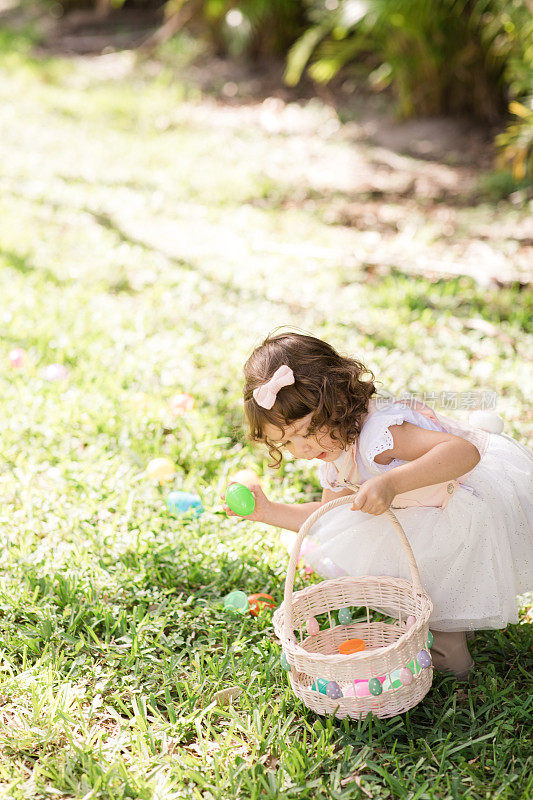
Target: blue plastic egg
[(424, 659), (333, 690), (182, 502), (345, 616)]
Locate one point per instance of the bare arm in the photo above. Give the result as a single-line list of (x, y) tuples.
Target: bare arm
[(290, 515), (293, 515), (281, 515), (433, 457)]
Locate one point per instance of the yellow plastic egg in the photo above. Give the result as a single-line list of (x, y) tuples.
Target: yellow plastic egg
[(160, 470), (245, 476)]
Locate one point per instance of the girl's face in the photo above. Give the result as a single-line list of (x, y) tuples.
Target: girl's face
[(300, 445)]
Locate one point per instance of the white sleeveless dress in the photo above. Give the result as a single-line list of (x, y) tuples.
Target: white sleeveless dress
[(475, 555)]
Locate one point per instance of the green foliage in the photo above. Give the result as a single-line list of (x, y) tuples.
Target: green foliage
[(439, 56), (499, 184), (257, 28), (516, 142)]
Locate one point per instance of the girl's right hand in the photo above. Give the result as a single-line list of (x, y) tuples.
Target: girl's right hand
[(262, 504)]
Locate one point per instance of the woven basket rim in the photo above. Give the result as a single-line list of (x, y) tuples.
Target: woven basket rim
[(404, 584), (290, 644)]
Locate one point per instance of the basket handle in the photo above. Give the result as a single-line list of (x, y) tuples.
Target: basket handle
[(304, 530)]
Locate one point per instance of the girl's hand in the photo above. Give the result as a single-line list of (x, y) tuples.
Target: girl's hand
[(262, 503), (374, 496)]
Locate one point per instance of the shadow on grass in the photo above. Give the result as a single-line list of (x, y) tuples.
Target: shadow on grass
[(23, 265)]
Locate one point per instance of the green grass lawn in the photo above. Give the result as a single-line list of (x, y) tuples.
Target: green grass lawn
[(145, 245)]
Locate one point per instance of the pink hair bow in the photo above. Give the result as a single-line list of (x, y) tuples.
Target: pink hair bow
[(265, 395)]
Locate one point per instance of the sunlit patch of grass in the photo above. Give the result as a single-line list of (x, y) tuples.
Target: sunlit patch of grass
[(141, 258), (460, 297)]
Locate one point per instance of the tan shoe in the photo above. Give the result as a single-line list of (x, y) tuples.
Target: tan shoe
[(450, 653)]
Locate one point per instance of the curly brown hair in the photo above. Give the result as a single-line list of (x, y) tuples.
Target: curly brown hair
[(326, 384)]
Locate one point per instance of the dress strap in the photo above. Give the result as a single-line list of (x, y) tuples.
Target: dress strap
[(345, 468), (349, 468)]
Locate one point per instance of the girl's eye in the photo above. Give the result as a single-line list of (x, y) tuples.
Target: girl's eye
[(284, 444)]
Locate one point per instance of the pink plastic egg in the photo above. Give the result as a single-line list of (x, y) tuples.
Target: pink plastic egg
[(410, 621), (361, 689), (406, 676), (17, 357), (181, 403), (56, 372), (312, 627), (348, 691)]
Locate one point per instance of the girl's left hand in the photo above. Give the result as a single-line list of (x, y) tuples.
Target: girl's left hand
[(375, 495)]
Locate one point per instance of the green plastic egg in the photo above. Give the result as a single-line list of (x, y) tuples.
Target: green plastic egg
[(430, 640), (236, 601), (415, 669), (393, 682), (375, 687), (320, 685), (345, 616), (240, 499), (284, 661)]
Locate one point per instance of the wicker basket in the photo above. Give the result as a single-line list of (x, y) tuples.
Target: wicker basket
[(388, 646)]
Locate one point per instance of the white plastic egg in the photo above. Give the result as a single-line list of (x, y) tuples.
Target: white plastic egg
[(488, 421)]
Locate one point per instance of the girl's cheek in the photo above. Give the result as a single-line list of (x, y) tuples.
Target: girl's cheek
[(324, 440)]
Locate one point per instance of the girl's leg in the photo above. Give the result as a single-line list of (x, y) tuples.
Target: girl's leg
[(450, 653)]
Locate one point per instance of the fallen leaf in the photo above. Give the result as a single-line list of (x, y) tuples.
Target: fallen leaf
[(225, 696), (355, 778)]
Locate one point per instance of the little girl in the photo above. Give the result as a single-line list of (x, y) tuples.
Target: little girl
[(463, 496)]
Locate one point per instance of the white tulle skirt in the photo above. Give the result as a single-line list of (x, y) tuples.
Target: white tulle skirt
[(475, 556)]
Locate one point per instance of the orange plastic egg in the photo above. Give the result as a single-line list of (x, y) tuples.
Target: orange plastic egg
[(258, 601), (351, 646)]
